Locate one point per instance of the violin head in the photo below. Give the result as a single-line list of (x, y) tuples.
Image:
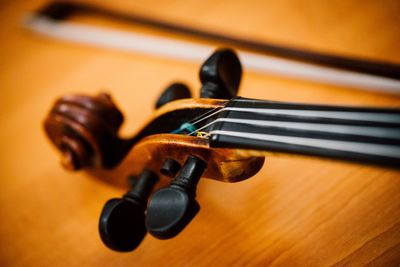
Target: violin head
[(85, 130)]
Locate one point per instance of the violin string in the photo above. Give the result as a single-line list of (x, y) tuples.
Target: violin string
[(369, 131), (361, 130), (211, 113), (208, 115), (203, 127), (381, 117), (393, 117), (198, 119), (372, 115), (323, 144), (205, 116)]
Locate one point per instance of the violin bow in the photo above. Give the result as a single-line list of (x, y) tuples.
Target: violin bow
[(256, 56)]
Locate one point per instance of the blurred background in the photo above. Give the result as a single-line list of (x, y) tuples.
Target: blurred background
[(296, 211)]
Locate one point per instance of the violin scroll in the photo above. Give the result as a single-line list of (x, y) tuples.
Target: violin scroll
[(84, 129)]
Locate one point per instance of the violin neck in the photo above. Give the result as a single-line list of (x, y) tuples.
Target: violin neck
[(370, 135)]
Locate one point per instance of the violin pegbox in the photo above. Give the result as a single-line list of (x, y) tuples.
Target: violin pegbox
[(84, 129)]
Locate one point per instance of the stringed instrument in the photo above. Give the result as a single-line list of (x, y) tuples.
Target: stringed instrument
[(218, 136)]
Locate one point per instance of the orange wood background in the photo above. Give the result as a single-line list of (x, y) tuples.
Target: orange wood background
[(297, 211)]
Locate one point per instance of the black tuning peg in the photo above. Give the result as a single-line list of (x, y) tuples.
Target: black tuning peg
[(172, 208), (220, 75), (170, 167), (173, 92), (122, 221)]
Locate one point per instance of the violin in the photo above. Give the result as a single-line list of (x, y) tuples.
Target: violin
[(218, 136)]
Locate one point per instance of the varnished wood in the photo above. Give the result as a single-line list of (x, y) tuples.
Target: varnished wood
[(225, 165), (297, 211), (84, 129)]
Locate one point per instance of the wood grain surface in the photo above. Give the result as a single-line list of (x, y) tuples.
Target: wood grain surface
[(298, 211)]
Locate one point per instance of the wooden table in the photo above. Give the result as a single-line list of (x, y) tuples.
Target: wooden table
[(296, 211)]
